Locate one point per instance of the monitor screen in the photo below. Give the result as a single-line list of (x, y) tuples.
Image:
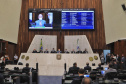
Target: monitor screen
[(102, 72), (106, 68), (62, 19), (86, 75), (77, 20)]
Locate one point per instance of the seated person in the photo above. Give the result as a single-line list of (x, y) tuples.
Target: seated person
[(73, 51), (40, 22), (87, 67), (53, 51), (46, 51), (26, 69), (15, 59), (66, 51), (85, 51), (86, 81), (79, 51), (99, 67), (58, 51), (34, 51), (74, 69), (79, 79), (41, 51), (115, 65), (110, 69)]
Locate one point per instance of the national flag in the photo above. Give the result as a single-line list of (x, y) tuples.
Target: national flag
[(78, 44), (41, 48)]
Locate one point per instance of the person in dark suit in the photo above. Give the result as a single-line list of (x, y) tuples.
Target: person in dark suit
[(73, 51), (34, 51), (123, 61), (87, 67), (115, 65), (53, 51), (79, 51), (110, 69), (74, 69), (118, 58), (79, 79), (99, 67), (59, 51), (66, 51), (108, 58), (26, 69), (85, 51), (46, 51)]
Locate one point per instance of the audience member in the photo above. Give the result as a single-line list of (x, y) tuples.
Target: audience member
[(34, 51), (73, 51), (86, 81), (118, 58), (115, 65), (110, 69), (6, 59), (108, 58), (87, 67), (26, 69), (79, 79), (53, 50), (66, 51), (15, 59), (58, 51), (46, 51), (74, 69), (99, 67), (85, 51), (123, 61), (79, 51)]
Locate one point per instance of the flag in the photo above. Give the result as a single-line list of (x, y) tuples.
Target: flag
[(77, 44), (41, 48)]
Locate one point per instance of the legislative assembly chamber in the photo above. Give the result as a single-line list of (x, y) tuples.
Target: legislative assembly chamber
[(62, 41)]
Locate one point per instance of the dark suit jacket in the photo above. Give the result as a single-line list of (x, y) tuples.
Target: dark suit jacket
[(46, 51), (26, 70), (85, 51), (77, 80), (53, 51), (73, 52), (34, 52), (79, 52), (87, 68), (99, 68), (119, 59), (73, 70)]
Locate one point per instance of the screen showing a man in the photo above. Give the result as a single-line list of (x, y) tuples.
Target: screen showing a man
[(40, 23)]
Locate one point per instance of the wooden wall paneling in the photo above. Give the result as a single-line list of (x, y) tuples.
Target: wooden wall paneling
[(96, 38)]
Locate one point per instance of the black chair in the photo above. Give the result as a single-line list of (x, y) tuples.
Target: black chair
[(20, 63), (111, 75)]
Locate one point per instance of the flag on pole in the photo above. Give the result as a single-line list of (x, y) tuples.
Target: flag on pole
[(41, 48), (78, 44)]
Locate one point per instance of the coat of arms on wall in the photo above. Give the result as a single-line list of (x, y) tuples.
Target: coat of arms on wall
[(58, 56)]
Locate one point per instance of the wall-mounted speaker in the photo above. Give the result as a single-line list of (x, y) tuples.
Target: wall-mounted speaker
[(124, 7)]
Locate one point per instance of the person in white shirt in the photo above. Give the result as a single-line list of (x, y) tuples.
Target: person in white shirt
[(15, 59)]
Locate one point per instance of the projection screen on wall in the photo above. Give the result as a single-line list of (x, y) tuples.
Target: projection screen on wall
[(9, 19)]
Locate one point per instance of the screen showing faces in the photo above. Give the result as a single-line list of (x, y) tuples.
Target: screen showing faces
[(63, 19)]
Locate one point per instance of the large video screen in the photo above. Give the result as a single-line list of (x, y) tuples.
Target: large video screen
[(63, 19), (77, 20)]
